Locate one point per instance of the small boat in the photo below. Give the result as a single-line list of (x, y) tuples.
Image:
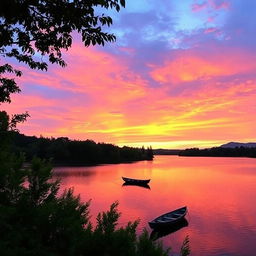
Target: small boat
[(135, 181), (168, 219), (137, 185)]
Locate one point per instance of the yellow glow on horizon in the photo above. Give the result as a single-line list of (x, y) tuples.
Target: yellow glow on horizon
[(189, 100), (175, 144)]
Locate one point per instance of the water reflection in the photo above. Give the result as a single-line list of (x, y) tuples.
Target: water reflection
[(219, 193), (156, 234), (136, 185), (73, 173)]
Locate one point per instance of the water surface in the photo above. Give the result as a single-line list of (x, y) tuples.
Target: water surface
[(219, 193)]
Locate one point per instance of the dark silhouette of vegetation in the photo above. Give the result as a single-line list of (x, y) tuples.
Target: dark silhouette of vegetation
[(162, 151), (185, 249), (35, 32), (63, 151), (35, 219), (220, 152)]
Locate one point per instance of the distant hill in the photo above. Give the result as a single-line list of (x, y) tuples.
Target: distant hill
[(239, 144)]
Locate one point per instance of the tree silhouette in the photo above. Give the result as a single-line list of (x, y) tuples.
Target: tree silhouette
[(33, 29), (64, 151)]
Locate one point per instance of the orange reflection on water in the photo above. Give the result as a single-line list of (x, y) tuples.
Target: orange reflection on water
[(219, 194)]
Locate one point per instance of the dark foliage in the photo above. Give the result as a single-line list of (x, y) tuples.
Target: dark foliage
[(220, 152), (74, 152), (30, 28), (162, 151), (36, 220)]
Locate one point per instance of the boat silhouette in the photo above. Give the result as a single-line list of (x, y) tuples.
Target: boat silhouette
[(168, 219), (135, 181)]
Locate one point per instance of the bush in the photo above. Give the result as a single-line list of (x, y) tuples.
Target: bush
[(35, 221)]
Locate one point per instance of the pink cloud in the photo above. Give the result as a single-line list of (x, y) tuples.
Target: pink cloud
[(210, 30), (213, 4), (120, 106), (210, 19), (191, 66), (198, 7), (221, 5)]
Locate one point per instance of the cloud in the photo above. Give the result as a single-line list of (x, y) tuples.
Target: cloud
[(173, 79), (210, 4), (190, 65)]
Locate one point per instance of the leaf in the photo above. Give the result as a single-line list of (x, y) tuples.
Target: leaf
[(185, 248), (35, 28), (122, 2)]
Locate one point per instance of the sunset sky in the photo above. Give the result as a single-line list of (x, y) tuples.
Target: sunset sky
[(181, 74)]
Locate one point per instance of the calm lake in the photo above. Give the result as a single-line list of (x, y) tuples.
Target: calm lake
[(220, 194)]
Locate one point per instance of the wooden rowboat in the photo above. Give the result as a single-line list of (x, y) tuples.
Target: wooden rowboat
[(135, 181), (168, 219)]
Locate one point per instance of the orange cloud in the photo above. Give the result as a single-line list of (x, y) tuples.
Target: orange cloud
[(106, 100), (189, 66)]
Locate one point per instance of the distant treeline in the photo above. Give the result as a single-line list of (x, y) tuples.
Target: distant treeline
[(161, 151), (220, 152), (64, 151)]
